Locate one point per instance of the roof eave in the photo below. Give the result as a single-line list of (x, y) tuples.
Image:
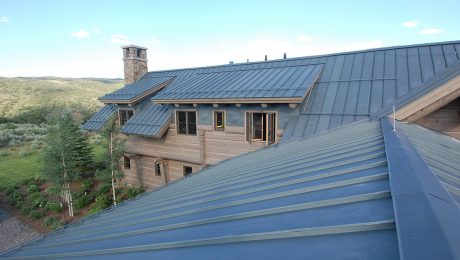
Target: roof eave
[(297, 100)]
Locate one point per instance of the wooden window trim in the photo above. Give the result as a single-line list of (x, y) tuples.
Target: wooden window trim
[(186, 121), (126, 162), (184, 171), (124, 110), (214, 120), (248, 129)]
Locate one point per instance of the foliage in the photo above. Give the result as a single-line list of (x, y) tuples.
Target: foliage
[(25, 210), (32, 188), (35, 214), (83, 201), (10, 189), (66, 150), (15, 197), (52, 223), (131, 192), (103, 201), (12, 134), (103, 188), (53, 206)]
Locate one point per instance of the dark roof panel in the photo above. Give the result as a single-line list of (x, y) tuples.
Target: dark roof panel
[(245, 83), (143, 86), (152, 121), (99, 119)]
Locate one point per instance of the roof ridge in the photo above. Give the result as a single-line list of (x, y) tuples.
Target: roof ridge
[(311, 57)]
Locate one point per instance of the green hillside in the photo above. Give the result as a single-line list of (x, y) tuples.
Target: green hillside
[(18, 94)]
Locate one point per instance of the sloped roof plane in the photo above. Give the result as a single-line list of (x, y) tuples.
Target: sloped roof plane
[(288, 83), (152, 121), (99, 119), (136, 91)]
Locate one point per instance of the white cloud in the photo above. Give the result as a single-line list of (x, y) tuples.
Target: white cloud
[(153, 42), (305, 38), (410, 24), (80, 34), (96, 29), (431, 31), (4, 19), (119, 39)]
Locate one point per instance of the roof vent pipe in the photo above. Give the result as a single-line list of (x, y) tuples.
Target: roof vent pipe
[(230, 62), (284, 56), (265, 57)]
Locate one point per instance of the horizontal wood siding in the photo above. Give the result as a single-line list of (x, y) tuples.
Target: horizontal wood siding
[(445, 119)]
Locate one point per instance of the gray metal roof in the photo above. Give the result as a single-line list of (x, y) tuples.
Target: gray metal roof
[(427, 216), (365, 84), (324, 197), (151, 121), (99, 119), (247, 83), (131, 92)]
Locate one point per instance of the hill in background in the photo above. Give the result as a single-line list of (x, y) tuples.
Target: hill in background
[(19, 94)]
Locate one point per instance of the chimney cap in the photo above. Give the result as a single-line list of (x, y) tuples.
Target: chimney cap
[(133, 46)]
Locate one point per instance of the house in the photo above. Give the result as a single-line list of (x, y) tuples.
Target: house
[(344, 181), (181, 121)]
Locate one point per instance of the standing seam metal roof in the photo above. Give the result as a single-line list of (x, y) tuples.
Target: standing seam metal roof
[(325, 196), (136, 89), (100, 118), (151, 121)]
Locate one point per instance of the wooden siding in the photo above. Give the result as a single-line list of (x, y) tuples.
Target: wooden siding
[(445, 119), (208, 147)]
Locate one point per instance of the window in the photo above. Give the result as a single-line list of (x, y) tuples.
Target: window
[(186, 122), (139, 53), (261, 127), (219, 120), (126, 162), (187, 170), (124, 115), (158, 168)]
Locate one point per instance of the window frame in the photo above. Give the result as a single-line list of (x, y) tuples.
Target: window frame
[(214, 120), (126, 162), (187, 128), (249, 129), (184, 170), (125, 110), (158, 167)]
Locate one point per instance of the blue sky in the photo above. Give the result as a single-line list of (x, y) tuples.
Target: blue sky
[(83, 38)]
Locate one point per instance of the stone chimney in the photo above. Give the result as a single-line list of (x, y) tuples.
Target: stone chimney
[(135, 62)]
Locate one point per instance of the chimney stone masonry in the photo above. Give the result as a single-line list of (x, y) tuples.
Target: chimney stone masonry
[(135, 62)]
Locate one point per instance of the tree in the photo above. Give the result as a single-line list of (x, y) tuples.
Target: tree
[(66, 154), (114, 150)]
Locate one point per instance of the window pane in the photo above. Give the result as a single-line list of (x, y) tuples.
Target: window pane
[(130, 114), (181, 122), (219, 121), (257, 124), (192, 123), (187, 170), (157, 169)]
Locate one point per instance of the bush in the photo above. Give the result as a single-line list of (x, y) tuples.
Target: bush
[(103, 188), (47, 221), (103, 201), (53, 191), (53, 206), (83, 201), (35, 214), (131, 192), (25, 210), (32, 188), (15, 197), (10, 189), (24, 153), (38, 200), (3, 153)]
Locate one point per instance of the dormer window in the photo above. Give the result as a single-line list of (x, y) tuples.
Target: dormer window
[(186, 122), (124, 114), (261, 127)]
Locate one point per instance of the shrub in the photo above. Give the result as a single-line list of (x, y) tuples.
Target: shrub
[(53, 206), (35, 214), (47, 221), (24, 153), (103, 188), (133, 192), (86, 185), (15, 197), (38, 200), (53, 191), (10, 189), (83, 201), (102, 202), (25, 210), (3, 153), (32, 188)]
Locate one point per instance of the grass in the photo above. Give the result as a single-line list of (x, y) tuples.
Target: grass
[(15, 167), (18, 94)]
